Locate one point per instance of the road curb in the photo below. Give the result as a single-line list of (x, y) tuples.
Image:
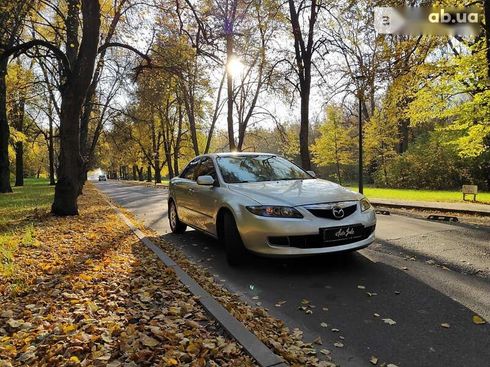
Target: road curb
[(252, 345), (421, 207)]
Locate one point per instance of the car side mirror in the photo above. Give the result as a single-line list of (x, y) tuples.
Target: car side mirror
[(311, 173), (205, 180)]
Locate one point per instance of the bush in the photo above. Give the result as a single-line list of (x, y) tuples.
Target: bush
[(430, 163)]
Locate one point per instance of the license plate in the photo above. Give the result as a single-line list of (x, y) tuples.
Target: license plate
[(334, 234)]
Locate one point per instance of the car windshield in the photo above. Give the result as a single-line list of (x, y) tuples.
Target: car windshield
[(256, 168)]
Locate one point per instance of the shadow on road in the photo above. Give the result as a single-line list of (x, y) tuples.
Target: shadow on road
[(355, 296)]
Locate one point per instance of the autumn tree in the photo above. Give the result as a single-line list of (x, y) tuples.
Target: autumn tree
[(334, 146), (303, 18), (12, 16)]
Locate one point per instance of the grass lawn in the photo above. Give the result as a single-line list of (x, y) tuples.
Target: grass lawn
[(420, 195), (36, 194)]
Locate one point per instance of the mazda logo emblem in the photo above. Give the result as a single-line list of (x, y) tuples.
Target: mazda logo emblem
[(338, 212)]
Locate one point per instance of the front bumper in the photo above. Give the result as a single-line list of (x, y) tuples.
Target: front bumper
[(256, 233)]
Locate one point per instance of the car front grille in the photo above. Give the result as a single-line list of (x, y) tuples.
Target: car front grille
[(315, 241), (329, 213)]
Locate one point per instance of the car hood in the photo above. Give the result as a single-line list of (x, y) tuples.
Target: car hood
[(295, 192)]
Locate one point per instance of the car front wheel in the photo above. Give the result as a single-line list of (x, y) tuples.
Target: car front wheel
[(175, 224), (235, 250)]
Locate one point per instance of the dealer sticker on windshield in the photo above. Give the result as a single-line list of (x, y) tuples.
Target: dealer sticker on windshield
[(334, 234)]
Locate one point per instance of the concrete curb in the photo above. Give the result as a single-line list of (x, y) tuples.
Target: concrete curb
[(422, 207), (252, 345)]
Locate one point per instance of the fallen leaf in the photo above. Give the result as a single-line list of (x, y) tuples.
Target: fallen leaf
[(15, 323), (338, 344), (361, 287), (318, 341), (324, 324), (389, 321), (445, 325), (104, 357), (231, 348), (478, 320), (74, 359), (373, 360), (149, 341), (69, 328), (193, 348), (7, 314)]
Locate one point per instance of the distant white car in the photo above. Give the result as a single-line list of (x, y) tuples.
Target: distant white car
[(267, 205), (102, 178)]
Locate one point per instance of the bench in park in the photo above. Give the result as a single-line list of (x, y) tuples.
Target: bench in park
[(470, 190)]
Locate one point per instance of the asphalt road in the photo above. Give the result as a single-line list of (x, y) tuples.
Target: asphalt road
[(419, 274)]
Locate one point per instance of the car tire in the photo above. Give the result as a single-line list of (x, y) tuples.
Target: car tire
[(173, 219), (235, 250)]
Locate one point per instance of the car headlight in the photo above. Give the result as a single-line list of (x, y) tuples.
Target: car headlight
[(275, 211), (365, 204)]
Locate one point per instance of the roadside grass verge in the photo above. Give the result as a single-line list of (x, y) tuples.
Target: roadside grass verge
[(420, 195), (93, 295), (35, 196)]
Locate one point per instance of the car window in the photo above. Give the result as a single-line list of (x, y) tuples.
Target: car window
[(189, 171), (206, 168), (255, 168)]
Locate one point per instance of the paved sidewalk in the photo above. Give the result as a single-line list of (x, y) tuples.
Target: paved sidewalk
[(463, 207)]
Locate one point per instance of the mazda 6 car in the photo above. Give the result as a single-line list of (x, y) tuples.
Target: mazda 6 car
[(264, 204)]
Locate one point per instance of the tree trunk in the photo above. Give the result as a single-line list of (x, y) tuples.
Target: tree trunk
[(168, 157), (4, 132), (19, 163), (304, 148), (51, 153), (72, 98), (158, 170), (148, 174), (135, 172), (68, 186), (229, 89), (140, 174), (70, 170)]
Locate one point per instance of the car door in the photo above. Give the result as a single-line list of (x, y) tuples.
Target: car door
[(206, 198), (183, 191)]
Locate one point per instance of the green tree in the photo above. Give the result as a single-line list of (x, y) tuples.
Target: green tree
[(334, 146), (380, 139)]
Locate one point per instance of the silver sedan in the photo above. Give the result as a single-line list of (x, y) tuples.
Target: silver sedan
[(269, 206)]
